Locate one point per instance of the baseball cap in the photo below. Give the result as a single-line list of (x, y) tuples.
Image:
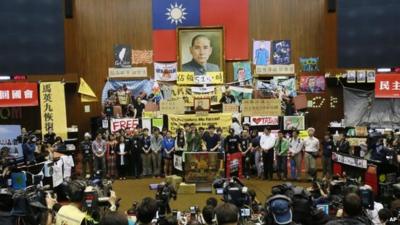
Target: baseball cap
[(281, 211)]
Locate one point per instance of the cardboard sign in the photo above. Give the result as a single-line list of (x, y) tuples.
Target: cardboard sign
[(264, 120), (387, 86), (18, 94), (274, 70), (172, 106), (349, 160), (230, 108), (133, 72), (357, 141), (151, 107), (203, 167), (261, 107), (175, 92), (188, 78), (124, 123)]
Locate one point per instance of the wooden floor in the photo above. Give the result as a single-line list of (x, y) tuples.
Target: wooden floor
[(136, 189)]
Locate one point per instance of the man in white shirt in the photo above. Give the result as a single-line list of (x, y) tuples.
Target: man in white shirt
[(267, 143), (311, 148), (295, 154)]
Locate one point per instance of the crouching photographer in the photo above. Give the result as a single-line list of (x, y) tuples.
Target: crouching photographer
[(164, 193), (77, 210)]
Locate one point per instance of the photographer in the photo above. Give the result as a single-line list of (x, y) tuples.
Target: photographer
[(72, 213), (146, 211), (165, 192), (29, 150), (279, 211), (352, 212), (227, 214)]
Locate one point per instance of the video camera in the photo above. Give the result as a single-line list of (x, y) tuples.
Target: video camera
[(164, 193)]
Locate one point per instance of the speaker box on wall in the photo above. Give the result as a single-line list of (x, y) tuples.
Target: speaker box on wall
[(69, 9), (331, 6)]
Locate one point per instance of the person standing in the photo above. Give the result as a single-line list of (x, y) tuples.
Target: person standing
[(156, 146), (28, 149), (231, 142), (86, 148), (146, 153), (245, 147), (311, 148), (50, 136), (168, 148), (236, 126), (99, 150), (122, 160), (295, 154), (281, 149), (111, 154), (343, 145), (327, 148), (211, 140), (180, 146), (267, 142), (193, 140), (135, 150), (255, 149)]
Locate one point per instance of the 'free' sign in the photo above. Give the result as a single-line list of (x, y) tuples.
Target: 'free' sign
[(124, 123)]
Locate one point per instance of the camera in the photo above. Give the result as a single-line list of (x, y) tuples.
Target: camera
[(164, 193), (245, 212)]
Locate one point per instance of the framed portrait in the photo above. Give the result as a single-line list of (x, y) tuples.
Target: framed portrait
[(361, 77), (200, 49), (201, 104), (312, 84), (370, 76), (351, 76)]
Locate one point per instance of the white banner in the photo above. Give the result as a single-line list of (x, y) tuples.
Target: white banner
[(275, 69), (264, 120), (124, 123), (349, 160), (133, 72), (202, 89), (165, 71)]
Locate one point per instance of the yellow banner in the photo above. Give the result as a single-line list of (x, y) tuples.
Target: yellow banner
[(188, 78), (175, 93), (261, 107), (223, 120), (52, 108)]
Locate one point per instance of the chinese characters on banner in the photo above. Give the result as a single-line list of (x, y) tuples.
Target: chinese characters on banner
[(52, 108), (188, 78), (165, 71), (387, 86), (18, 94), (142, 57), (223, 120), (261, 107)]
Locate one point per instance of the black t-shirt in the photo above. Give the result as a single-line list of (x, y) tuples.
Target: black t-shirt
[(136, 145), (50, 138), (211, 141), (231, 143), (86, 148), (139, 110), (245, 143), (145, 141), (227, 99), (108, 110), (255, 141)]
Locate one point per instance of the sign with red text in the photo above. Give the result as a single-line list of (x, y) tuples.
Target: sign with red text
[(387, 85), (264, 120), (123, 123), (18, 94)]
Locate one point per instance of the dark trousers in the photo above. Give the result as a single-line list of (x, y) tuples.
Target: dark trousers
[(121, 170), (268, 162), (136, 165), (282, 166)]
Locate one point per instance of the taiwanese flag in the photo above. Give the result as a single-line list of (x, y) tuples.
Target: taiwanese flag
[(170, 14)]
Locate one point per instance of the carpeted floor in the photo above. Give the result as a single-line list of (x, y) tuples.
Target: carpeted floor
[(136, 189)]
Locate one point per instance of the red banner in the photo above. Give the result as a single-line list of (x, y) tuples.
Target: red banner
[(18, 94), (387, 85), (234, 166)]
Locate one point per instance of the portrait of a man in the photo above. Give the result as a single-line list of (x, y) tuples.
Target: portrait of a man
[(200, 50)]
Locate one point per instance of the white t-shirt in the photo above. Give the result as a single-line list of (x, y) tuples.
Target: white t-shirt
[(267, 141), (311, 144), (68, 164), (373, 214), (295, 145), (122, 151), (237, 128)]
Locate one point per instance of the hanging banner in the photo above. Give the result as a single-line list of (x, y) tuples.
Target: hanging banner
[(230, 108), (52, 108), (293, 122), (274, 70), (234, 165), (174, 92), (241, 93), (264, 120), (18, 94), (261, 107), (223, 120), (9, 139), (188, 78), (124, 123), (133, 72), (350, 160), (172, 106), (387, 85), (203, 167), (165, 71)]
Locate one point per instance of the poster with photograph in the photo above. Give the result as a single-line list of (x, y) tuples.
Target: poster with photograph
[(9, 140), (261, 52), (122, 56), (312, 84), (281, 52), (165, 71), (351, 76), (241, 93), (293, 122), (310, 64), (201, 50), (361, 76), (242, 72), (276, 87), (370, 76)]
